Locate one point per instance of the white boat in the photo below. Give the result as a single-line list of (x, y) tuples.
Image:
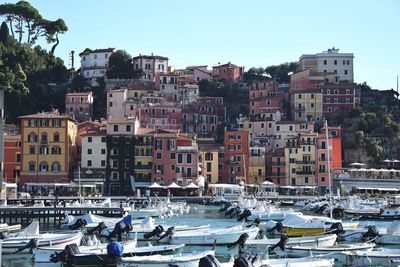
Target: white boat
[(372, 258), (9, 228), (333, 251), (27, 240), (300, 262), (183, 260), (260, 245), (221, 236), (89, 221), (147, 229), (391, 236), (270, 213)]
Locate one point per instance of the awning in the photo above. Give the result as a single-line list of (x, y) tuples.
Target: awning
[(192, 186), (155, 185), (174, 185)]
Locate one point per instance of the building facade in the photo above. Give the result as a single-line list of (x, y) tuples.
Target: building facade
[(79, 105), (12, 157), (94, 63), (307, 105), (228, 73), (236, 156), (150, 65)]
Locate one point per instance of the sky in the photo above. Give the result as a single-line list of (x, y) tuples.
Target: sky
[(246, 33)]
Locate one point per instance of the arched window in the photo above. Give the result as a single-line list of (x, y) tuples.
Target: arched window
[(32, 137), (43, 167), (56, 150), (56, 137), (55, 167)]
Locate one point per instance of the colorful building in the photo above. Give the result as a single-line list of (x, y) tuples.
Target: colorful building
[(228, 73), (144, 157), (167, 83), (79, 105), (48, 147), (256, 164), (150, 65), (193, 74), (236, 156), (12, 158), (209, 162), (307, 105), (94, 63), (276, 170), (338, 97)]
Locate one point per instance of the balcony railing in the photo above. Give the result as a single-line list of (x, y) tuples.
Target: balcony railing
[(305, 162), (278, 163), (143, 167), (305, 172)]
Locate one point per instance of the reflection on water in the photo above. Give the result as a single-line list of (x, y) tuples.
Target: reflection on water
[(199, 215)]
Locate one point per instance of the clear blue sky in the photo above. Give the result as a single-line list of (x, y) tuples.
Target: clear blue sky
[(247, 33)]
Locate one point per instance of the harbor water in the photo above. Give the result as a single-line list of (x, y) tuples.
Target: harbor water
[(199, 215)]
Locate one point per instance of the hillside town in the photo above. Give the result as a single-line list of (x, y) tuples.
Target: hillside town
[(159, 128)]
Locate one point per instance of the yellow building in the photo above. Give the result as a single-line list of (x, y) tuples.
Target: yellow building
[(209, 162), (307, 105), (256, 164), (48, 147), (300, 153), (143, 156)]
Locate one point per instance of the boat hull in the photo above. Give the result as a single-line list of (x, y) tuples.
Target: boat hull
[(372, 258), (300, 231)]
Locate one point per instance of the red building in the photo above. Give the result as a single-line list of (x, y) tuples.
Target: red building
[(228, 73), (161, 116), (175, 158), (276, 172), (338, 97), (236, 156), (335, 155), (204, 117), (12, 157)]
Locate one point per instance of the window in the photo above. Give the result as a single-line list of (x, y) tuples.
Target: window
[(32, 166), (322, 179), (114, 151), (115, 140), (56, 137), (18, 157), (189, 172), (159, 144), (32, 150), (325, 62), (103, 163), (239, 137), (180, 158), (89, 163), (239, 147), (189, 158), (89, 151), (158, 155), (208, 166), (115, 164), (259, 172), (43, 167), (103, 151), (128, 128), (209, 156), (172, 156), (56, 150), (55, 167), (312, 96), (306, 180), (103, 139), (44, 150), (115, 128), (335, 62), (89, 139)]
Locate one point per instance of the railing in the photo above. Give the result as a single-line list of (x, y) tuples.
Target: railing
[(305, 162), (278, 163), (305, 172), (143, 167)]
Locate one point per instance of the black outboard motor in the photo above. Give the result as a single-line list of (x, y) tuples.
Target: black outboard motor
[(156, 232), (371, 233), (255, 223), (66, 255), (336, 228), (209, 261), (242, 262), (236, 212), (229, 210), (278, 227), (78, 224), (244, 215), (2, 235), (338, 213), (322, 208), (119, 229), (32, 244), (100, 227), (241, 242), (281, 244), (170, 231), (224, 206)]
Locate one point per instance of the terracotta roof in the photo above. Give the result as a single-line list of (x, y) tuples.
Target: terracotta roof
[(150, 57), (88, 51), (209, 147), (79, 93), (12, 137), (144, 131), (227, 64), (46, 115)]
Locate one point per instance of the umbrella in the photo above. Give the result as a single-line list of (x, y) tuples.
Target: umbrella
[(387, 160), (268, 184), (174, 185), (192, 186), (155, 185), (356, 164), (362, 170), (384, 170)]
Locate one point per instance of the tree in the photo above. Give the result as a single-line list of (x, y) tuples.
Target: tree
[(256, 74), (4, 33), (79, 83), (360, 137), (280, 73), (120, 66)]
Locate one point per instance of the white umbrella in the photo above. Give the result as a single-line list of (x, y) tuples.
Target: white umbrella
[(268, 184), (356, 164), (387, 160), (174, 185), (192, 186), (155, 185), (384, 170), (362, 170)]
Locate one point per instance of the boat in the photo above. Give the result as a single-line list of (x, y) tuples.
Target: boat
[(295, 262), (95, 255), (370, 232), (219, 236), (391, 236), (147, 229), (269, 213), (389, 213), (387, 257), (182, 260), (87, 221), (333, 251), (29, 239), (5, 228), (260, 245)]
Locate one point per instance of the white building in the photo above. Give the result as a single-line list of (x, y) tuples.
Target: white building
[(116, 103), (150, 65), (94, 63), (330, 61)]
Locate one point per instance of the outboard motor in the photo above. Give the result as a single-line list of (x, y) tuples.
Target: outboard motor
[(241, 242), (338, 213), (78, 224), (100, 227), (281, 244), (336, 228), (2, 235), (115, 250), (65, 256), (255, 223), (278, 227), (170, 231), (229, 210), (236, 212), (224, 206), (156, 232), (32, 244), (242, 262), (371, 233), (244, 215), (119, 229), (322, 209), (209, 261)]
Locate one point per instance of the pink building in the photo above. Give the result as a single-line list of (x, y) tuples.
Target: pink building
[(204, 117), (228, 73), (175, 158), (193, 75), (162, 116), (236, 156), (338, 97), (79, 105)]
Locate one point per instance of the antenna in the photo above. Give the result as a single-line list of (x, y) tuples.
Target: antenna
[(71, 58)]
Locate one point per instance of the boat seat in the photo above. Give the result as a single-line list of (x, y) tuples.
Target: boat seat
[(72, 249)]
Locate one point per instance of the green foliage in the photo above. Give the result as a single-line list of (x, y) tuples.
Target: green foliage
[(79, 83), (4, 33), (356, 112), (360, 137), (256, 74), (374, 149), (120, 66), (280, 72), (363, 126)]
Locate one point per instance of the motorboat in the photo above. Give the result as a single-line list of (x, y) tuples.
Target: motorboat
[(382, 257), (294, 262), (391, 236), (217, 236), (260, 245), (181, 260), (29, 239), (333, 251), (87, 221), (97, 254), (268, 213), (4, 227)]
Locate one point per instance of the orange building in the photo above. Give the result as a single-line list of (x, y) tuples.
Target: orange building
[(12, 157), (236, 156)]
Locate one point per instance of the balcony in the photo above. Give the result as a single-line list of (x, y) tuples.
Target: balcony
[(232, 162), (305, 162), (299, 109), (274, 163), (143, 167), (305, 172), (187, 149)]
